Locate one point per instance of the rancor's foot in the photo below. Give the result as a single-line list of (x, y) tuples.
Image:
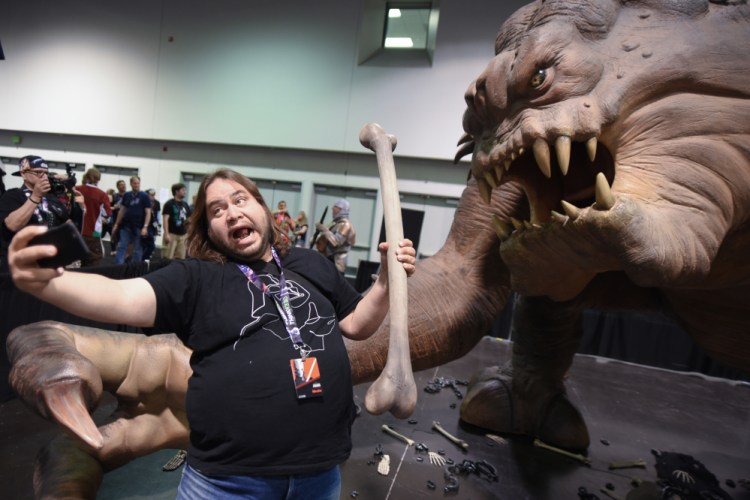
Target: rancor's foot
[(491, 403)]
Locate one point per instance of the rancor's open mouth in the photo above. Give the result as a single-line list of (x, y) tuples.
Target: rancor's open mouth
[(558, 179)]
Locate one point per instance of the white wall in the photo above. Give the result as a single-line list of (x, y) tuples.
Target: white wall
[(281, 74)]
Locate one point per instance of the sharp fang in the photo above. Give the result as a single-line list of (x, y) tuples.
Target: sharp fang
[(604, 198), (527, 224), (541, 154), (513, 156), (463, 151), (516, 223), (485, 191), (499, 173), (502, 228), (591, 148), (558, 217), (571, 210), (562, 148), (506, 164), (466, 137), (520, 151), (490, 178)]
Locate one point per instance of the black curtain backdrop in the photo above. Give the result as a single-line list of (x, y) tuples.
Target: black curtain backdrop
[(412, 222)]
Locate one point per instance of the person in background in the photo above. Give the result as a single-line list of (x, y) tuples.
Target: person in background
[(176, 215), (300, 231), (132, 222), (97, 209), (255, 311), (33, 204), (284, 220), (336, 239), (116, 204), (154, 228), (109, 221)]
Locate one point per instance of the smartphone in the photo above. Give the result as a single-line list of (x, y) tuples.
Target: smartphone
[(69, 243)]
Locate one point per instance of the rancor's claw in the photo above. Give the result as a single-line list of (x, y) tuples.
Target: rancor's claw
[(66, 403)]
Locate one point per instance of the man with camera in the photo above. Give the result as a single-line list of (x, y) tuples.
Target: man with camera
[(39, 202)]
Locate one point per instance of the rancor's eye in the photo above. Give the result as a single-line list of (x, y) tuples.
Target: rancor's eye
[(537, 79)]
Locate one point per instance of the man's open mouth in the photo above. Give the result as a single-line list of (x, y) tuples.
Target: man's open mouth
[(241, 233)]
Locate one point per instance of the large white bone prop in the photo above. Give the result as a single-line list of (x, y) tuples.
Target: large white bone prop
[(394, 390)]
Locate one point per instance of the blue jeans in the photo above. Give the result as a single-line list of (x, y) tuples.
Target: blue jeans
[(324, 485), (127, 235)]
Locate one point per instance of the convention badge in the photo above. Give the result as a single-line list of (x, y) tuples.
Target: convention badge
[(306, 376)]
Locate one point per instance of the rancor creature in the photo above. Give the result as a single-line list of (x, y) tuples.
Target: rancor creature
[(643, 205)]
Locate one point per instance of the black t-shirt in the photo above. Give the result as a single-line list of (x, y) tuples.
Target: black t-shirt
[(135, 204), (245, 417), (178, 212), (49, 212)]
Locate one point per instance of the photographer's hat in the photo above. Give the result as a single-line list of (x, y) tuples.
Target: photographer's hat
[(31, 163)]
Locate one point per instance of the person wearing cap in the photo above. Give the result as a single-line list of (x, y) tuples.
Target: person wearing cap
[(132, 222), (33, 204), (337, 238), (97, 207)]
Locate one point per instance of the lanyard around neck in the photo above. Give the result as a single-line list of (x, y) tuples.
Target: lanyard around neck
[(283, 304)]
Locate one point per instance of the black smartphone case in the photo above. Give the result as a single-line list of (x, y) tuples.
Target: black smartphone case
[(69, 243)]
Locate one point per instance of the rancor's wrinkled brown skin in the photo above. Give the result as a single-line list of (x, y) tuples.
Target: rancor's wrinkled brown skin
[(656, 91)]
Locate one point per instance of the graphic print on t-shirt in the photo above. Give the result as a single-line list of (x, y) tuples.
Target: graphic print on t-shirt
[(299, 297)]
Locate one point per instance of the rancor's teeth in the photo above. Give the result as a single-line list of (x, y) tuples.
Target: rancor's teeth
[(502, 228), (527, 224), (506, 164), (466, 137), (558, 217), (517, 223), (541, 155), (485, 191), (591, 148), (463, 151), (499, 173), (489, 176), (604, 198), (571, 210), (562, 148)]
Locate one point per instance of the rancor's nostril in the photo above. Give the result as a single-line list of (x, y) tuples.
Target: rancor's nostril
[(476, 98)]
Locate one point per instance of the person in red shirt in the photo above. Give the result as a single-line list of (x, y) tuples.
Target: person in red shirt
[(97, 208)]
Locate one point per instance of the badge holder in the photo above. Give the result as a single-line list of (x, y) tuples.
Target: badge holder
[(306, 375)]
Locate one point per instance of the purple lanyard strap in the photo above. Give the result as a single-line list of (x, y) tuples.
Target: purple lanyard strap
[(283, 305)]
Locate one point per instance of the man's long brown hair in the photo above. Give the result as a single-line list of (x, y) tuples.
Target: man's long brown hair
[(200, 245)]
